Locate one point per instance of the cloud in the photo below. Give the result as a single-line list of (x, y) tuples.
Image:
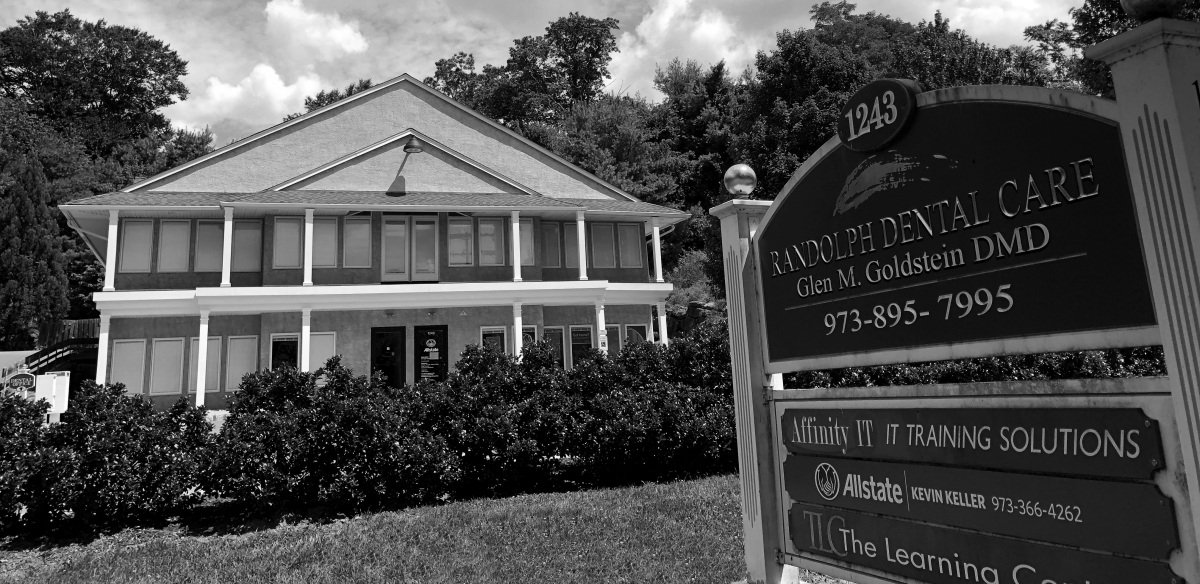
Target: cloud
[(1000, 22), (299, 32), (259, 100), (684, 29)]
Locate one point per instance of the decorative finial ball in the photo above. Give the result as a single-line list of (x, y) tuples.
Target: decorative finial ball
[(1146, 10), (740, 180)]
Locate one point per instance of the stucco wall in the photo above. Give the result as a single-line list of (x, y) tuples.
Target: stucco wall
[(323, 138), (389, 169)]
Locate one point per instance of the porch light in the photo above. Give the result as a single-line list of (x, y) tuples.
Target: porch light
[(414, 146)]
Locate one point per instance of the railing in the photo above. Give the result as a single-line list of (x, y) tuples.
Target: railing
[(58, 331), (44, 359)]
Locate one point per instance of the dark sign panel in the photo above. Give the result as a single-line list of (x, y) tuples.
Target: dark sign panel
[(1074, 512), (985, 220), (21, 382), (877, 114), (942, 555), (429, 350), (1099, 442)]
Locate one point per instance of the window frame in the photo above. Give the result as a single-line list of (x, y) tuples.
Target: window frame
[(562, 339), (236, 384), (122, 268), (275, 247), (370, 240), (470, 223), (192, 363), (141, 376), (154, 361), (220, 246), (187, 244), (494, 328), (593, 247), (318, 221), (283, 336), (233, 254), (641, 245), (500, 249), (571, 345)]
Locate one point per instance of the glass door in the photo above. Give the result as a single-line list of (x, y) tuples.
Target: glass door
[(410, 248)]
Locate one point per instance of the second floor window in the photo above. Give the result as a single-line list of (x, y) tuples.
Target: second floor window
[(461, 242), (325, 242), (209, 246), (136, 242), (491, 242), (174, 239), (603, 255), (288, 244)]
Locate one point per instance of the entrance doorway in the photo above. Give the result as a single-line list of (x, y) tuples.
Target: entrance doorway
[(387, 353)]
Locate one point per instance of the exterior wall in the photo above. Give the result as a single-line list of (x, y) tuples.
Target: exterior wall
[(271, 276), (428, 171), (148, 329), (322, 138)]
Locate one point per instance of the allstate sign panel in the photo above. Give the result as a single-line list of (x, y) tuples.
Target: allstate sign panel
[(983, 220)]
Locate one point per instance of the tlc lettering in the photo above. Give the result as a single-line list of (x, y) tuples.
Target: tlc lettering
[(1064, 441), (1072, 183)]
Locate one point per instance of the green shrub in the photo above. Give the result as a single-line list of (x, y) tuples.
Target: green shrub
[(113, 461), (20, 449), (348, 444)]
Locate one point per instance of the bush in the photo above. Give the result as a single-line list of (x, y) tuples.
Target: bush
[(20, 449), (348, 444), (113, 461)]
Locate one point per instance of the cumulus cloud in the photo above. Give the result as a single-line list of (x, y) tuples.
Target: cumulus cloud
[(1001, 22), (261, 99), (684, 29), (300, 32)]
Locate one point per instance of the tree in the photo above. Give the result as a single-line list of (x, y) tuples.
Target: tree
[(104, 84), (324, 98), (33, 282)]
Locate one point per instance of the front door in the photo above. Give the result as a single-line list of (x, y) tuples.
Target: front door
[(387, 353), (410, 249)]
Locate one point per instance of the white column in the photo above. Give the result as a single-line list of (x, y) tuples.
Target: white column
[(662, 322), (102, 351), (110, 254), (601, 331), (518, 324), (582, 244), (308, 245), (202, 359), (305, 337), (227, 248), (516, 246), (655, 225)]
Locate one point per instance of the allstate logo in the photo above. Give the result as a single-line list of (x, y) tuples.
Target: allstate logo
[(827, 481)]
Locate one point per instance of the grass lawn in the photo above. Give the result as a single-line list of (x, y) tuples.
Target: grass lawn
[(680, 532)]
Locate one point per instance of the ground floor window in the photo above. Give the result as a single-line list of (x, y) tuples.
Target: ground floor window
[(285, 350), (528, 335), (554, 336), (581, 341), (613, 332), (129, 364), (324, 346), (241, 359), (166, 366), (494, 336), (635, 333)]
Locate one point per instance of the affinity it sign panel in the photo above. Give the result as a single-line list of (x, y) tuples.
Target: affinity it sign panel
[(983, 220)]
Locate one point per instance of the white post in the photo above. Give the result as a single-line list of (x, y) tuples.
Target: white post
[(227, 249), (655, 225), (202, 359), (601, 331), (110, 254), (762, 511), (518, 324), (308, 247), (662, 323), (516, 246), (581, 239), (1154, 69), (305, 337), (102, 351)]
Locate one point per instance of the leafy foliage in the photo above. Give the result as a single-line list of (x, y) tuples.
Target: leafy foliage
[(324, 98), (20, 451)]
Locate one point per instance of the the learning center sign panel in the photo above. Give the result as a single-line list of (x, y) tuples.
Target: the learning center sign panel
[(984, 220)]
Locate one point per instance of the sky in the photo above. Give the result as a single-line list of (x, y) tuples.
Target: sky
[(252, 62)]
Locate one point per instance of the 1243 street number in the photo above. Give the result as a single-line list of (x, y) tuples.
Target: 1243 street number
[(882, 316)]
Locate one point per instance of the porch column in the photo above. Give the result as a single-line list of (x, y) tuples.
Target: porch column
[(518, 324), (202, 359), (516, 247), (227, 248), (305, 330), (308, 244), (110, 254), (601, 331), (102, 350), (662, 323), (582, 245), (655, 225)]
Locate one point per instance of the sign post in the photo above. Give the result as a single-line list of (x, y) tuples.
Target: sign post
[(977, 222)]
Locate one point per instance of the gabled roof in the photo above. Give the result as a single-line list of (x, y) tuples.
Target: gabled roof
[(358, 199), (405, 78)]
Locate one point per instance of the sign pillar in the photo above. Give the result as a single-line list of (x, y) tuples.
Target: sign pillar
[(760, 497), (1156, 72)]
